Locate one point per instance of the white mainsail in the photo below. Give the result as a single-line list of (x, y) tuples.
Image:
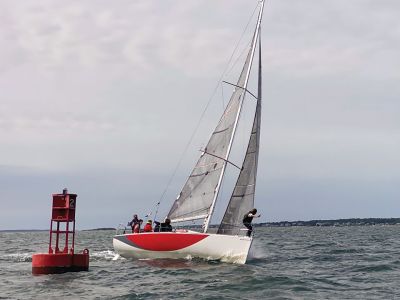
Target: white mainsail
[(198, 196)]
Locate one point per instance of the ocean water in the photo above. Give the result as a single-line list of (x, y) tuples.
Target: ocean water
[(284, 263)]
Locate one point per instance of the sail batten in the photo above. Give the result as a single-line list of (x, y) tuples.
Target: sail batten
[(219, 131), (193, 218)]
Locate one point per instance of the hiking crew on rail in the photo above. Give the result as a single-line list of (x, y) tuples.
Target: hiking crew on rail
[(248, 218)]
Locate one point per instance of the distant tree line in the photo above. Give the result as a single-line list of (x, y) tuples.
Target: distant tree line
[(337, 222)]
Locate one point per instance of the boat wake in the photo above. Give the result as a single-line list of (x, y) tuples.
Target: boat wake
[(104, 255), (257, 252), (180, 263), (94, 256)]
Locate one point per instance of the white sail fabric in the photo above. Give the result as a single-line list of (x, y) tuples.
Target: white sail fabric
[(242, 199), (196, 197)]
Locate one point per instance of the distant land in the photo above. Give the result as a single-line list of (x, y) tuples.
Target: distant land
[(23, 230), (46, 230), (97, 229), (337, 222)]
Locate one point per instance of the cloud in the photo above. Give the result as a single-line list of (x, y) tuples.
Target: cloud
[(307, 38), (143, 36), (325, 38), (117, 88)]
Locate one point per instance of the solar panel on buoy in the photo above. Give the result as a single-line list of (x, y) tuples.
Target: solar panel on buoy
[(61, 257)]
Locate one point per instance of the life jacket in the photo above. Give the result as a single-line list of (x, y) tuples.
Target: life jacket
[(147, 228), (247, 219)]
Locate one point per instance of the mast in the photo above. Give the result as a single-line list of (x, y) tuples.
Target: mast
[(242, 198), (253, 47)]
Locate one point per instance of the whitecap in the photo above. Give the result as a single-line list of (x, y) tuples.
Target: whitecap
[(17, 257), (106, 254)]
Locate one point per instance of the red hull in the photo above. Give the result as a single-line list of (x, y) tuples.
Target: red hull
[(164, 241)]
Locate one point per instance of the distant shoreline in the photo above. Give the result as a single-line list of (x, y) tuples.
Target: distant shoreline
[(46, 230), (336, 222), (311, 223)]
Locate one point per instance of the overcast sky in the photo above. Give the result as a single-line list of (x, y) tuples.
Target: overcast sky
[(103, 96)]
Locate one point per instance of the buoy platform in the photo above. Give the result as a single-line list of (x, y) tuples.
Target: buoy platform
[(66, 260), (44, 263)]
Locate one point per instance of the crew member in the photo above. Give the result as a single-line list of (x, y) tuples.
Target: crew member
[(248, 218), (166, 226), (157, 226), (135, 224), (163, 227), (148, 227)]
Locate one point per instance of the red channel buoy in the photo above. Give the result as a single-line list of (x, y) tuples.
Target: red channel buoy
[(64, 260)]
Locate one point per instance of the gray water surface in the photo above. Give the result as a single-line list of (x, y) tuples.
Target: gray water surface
[(284, 263)]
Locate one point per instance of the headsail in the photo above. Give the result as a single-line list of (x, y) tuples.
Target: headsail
[(242, 199), (197, 195)]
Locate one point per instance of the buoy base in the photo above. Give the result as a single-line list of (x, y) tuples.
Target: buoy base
[(48, 263)]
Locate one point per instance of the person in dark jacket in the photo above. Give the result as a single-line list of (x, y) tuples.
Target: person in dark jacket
[(156, 226), (248, 218), (163, 227), (135, 224), (166, 226)]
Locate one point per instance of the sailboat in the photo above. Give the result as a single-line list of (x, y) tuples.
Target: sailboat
[(198, 197)]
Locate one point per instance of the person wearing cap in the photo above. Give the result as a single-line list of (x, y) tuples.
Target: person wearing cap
[(148, 227), (248, 218)]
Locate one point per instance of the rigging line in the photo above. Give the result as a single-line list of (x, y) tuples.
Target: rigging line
[(223, 99), (203, 113), (236, 47), (240, 56)]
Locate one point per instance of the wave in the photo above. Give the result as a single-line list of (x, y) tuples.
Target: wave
[(375, 268), (104, 255), (345, 250), (27, 257), (257, 252), (17, 257)]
